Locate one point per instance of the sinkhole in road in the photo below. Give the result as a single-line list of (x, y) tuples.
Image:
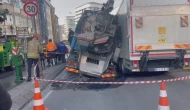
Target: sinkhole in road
[(96, 87)]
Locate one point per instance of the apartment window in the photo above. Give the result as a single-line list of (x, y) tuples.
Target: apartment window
[(6, 1), (9, 19), (18, 3)]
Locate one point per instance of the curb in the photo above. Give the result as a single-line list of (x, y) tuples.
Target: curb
[(25, 97), (186, 68)]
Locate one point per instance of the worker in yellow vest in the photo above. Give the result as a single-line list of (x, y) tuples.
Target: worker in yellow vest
[(33, 55)]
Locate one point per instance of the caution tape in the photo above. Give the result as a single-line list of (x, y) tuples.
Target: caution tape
[(118, 83), (54, 53)]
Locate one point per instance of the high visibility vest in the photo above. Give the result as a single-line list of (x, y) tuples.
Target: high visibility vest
[(46, 54), (34, 49), (51, 46)]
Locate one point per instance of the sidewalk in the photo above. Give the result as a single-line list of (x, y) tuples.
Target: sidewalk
[(9, 80), (23, 94)]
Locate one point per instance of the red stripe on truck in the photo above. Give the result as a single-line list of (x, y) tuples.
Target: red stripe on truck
[(186, 45), (148, 47), (162, 54), (140, 47), (131, 2), (132, 35)]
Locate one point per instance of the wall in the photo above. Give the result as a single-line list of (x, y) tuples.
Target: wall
[(43, 19), (49, 23), (53, 23)]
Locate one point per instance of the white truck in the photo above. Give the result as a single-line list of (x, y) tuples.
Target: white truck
[(153, 35)]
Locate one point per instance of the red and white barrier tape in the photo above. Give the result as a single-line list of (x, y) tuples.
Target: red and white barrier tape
[(119, 83)]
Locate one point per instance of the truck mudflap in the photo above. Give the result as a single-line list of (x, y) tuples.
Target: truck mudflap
[(153, 63)]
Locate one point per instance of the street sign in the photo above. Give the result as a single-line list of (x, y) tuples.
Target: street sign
[(31, 9), (23, 32), (24, 1)]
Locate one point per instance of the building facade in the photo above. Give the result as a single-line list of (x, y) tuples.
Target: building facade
[(43, 20), (57, 37), (55, 25), (88, 6), (52, 10), (48, 16), (61, 33), (40, 24), (69, 23), (15, 18)]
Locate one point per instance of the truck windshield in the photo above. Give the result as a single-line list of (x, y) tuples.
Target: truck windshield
[(2, 41)]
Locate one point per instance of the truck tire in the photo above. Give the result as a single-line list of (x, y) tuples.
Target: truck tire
[(121, 67), (11, 67)]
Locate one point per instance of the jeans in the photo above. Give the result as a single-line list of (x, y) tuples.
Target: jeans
[(52, 55), (42, 62), (30, 62), (61, 57)]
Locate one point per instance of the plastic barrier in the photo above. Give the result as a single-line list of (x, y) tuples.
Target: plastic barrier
[(120, 83)]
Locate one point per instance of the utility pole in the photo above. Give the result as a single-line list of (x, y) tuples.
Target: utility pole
[(35, 27)]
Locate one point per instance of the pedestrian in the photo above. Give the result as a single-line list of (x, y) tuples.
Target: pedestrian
[(51, 49), (5, 99), (70, 35), (62, 50), (33, 56), (47, 57), (57, 53), (42, 58)]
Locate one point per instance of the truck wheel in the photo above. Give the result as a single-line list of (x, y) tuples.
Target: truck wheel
[(122, 69), (8, 68)]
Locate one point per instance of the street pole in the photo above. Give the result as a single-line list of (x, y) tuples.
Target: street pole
[(35, 28)]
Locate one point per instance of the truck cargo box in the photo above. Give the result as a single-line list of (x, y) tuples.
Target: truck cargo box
[(158, 26)]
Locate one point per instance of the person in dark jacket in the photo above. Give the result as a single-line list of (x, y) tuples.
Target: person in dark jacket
[(61, 49), (42, 58), (70, 36), (5, 99)]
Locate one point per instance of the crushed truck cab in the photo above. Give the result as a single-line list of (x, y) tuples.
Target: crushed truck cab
[(143, 36)]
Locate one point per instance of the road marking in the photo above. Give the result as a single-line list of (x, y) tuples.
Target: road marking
[(48, 94)]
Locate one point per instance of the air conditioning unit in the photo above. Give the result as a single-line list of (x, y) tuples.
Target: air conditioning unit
[(1, 2)]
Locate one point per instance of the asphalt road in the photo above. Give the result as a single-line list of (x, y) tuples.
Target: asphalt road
[(116, 97), (7, 79)]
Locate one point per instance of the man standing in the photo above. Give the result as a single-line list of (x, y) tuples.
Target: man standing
[(62, 50), (33, 56), (71, 34), (51, 49)]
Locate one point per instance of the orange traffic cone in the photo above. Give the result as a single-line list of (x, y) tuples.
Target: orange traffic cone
[(38, 101), (163, 100)]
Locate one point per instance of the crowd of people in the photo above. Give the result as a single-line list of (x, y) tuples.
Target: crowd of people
[(53, 53)]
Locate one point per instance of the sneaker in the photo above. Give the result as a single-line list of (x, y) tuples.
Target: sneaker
[(29, 79)]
